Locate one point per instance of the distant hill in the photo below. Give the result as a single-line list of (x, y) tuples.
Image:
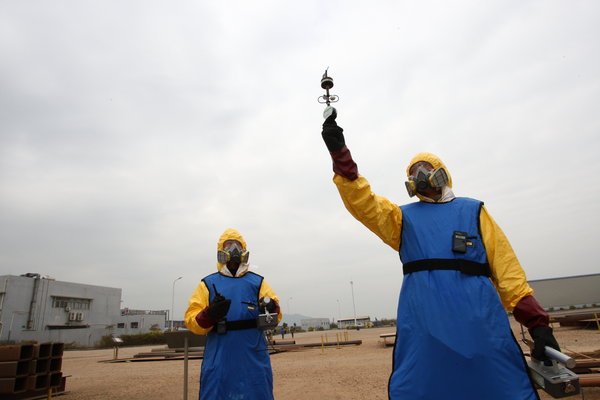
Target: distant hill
[(292, 319)]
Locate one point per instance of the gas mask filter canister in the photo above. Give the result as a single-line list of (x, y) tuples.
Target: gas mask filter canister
[(424, 179)]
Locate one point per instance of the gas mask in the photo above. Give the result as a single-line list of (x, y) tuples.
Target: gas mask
[(424, 179), (234, 253)]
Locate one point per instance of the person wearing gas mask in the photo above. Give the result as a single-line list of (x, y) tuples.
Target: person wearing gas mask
[(453, 337), (225, 307)]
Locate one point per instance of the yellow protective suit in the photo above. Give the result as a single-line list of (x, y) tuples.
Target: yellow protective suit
[(200, 298), (236, 363), (384, 218)]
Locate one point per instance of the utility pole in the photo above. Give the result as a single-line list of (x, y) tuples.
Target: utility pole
[(173, 301), (353, 305)]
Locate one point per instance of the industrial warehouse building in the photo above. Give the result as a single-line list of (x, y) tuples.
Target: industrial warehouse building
[(41, 309), (568, 291)]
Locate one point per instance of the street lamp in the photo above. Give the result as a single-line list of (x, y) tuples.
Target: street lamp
[(173, 301), (339, 310), (353, 305)]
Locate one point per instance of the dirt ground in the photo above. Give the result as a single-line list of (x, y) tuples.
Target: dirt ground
[(349, 372)]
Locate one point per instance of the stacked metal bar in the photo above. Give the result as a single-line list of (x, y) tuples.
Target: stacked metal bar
[(30, 370)]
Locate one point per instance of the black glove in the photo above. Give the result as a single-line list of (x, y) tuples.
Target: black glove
[(332, 133), (267, 304), (218, 308), (542, 337)]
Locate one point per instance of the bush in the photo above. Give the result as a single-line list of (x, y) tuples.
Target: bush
[(74, 346)]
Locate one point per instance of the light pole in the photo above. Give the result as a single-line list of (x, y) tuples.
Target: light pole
[(339, 310), (353, 305), (173, 301)]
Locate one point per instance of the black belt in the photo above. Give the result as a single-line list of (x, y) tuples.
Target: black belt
[(241, 324), (464, 266)]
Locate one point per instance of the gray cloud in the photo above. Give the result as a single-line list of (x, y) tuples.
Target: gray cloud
[(133, 134)]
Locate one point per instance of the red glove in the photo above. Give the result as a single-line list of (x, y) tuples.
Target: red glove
[(204, 320), (529, 313), (333, 135), (277, 308), (343, 164)]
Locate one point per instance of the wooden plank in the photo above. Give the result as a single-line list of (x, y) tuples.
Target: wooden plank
[(589, 380), (587, 363)]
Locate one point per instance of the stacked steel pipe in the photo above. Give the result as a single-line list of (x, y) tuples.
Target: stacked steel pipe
[(30, 369)]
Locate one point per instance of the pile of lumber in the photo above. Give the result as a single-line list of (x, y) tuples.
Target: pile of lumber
[(165, 353), (586, 320), (587, 367)]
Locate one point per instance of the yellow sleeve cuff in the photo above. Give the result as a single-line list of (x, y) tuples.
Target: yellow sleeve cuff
[(198, 302)]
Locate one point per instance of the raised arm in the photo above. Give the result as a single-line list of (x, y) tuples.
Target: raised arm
[(377, 213)]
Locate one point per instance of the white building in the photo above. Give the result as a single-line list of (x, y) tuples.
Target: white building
[(315, 323), (133, 322), (41, 309), (360, 322)]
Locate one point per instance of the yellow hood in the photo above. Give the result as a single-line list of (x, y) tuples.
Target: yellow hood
[(229, 234), (432, 159)]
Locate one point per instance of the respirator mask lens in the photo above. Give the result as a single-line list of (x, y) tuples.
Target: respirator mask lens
[(232, 251), (230, 244)]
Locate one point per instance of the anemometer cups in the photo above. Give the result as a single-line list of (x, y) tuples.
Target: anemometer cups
[(326, 82)]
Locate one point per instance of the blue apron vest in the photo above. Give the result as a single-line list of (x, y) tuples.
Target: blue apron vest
[(453, 339), (236, 365)]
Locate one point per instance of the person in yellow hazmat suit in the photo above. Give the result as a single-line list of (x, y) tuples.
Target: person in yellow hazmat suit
[(225, 307), (453, 337)]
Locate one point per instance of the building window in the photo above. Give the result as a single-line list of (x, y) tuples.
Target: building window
[(121, 325), (72, 302), (134, 325)]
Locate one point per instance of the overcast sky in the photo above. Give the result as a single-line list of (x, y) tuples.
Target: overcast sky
[(133, 133)]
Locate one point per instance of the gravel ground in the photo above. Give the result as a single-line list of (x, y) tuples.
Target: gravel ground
[(349, 372)]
